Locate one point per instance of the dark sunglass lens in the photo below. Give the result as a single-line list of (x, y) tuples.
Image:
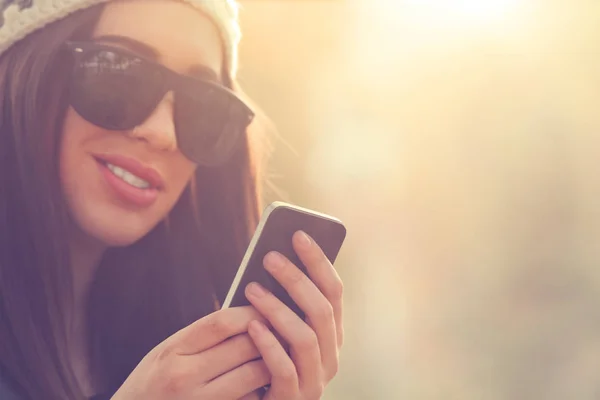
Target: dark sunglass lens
[(112, 90), (208, 128)]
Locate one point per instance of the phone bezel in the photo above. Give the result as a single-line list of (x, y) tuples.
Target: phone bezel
[(255, 238)]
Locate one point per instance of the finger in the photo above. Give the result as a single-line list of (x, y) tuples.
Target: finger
[(300, 337), (256, 395), (211, 330), (237, 383), (285, 382), (317, 308), (221, 358), (324, 276)]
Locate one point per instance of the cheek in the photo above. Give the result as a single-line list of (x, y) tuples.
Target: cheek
[(79, 175), (181, 173)]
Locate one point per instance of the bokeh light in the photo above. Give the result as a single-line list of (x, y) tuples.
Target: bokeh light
[(459, 142)]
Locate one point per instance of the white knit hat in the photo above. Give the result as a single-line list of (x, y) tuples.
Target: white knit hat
[(19, 18)]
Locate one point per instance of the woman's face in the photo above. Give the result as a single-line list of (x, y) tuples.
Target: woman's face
[(103, 205)]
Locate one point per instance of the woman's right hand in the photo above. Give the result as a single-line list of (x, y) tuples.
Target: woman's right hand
[(213, 358)]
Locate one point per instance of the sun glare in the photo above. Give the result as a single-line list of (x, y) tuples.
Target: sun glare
[(468, 8), (452, 13), (474, 11)]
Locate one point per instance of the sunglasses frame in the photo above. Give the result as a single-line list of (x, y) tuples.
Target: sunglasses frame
[(170, 81)]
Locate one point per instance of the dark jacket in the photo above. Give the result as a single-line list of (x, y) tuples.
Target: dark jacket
[(7, 391)]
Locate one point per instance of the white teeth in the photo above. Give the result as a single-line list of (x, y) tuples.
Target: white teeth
[(128, 177)]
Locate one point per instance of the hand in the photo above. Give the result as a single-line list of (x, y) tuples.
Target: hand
[(213, 358), (315, 342)]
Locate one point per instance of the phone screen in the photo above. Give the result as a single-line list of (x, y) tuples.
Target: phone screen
[(275, 234)]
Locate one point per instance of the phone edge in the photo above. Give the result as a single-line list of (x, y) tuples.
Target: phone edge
[(244, 264), (261, 224), (304, 210)]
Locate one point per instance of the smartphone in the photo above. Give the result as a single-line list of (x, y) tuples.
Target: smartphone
[(276, 227)]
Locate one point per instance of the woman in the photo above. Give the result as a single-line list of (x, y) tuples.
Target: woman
[(128, 191)]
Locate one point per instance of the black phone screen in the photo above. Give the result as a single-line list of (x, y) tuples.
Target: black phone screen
[(276, 235)]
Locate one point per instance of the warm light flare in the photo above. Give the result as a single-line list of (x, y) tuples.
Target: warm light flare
[(459, 14), (473, 10)]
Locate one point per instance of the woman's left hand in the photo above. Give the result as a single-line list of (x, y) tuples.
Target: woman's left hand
[(315, 342)]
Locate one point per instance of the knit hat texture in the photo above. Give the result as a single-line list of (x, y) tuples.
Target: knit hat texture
[(19, 18)]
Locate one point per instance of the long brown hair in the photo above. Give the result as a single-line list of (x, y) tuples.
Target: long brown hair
[(143, 293)]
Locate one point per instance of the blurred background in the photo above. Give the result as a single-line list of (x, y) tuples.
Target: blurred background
[(459, 142)]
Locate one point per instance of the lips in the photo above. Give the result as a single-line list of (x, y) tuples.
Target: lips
[(124, 191), (148, 174)]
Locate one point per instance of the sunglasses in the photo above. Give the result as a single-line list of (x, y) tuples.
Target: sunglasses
[(116, 89)]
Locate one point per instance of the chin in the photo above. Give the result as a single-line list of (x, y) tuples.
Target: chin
[(121, 239), (115, 233)]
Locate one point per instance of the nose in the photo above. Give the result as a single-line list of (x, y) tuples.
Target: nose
[(159, 129)]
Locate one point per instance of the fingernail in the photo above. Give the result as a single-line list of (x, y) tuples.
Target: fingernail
[(274, 260), (256, 290), (304, 239)]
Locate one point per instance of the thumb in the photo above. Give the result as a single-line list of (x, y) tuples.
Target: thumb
[(212, 330)]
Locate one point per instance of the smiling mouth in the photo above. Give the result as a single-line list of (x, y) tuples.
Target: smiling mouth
[(128, 177), (131, 171), (133, 182)]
